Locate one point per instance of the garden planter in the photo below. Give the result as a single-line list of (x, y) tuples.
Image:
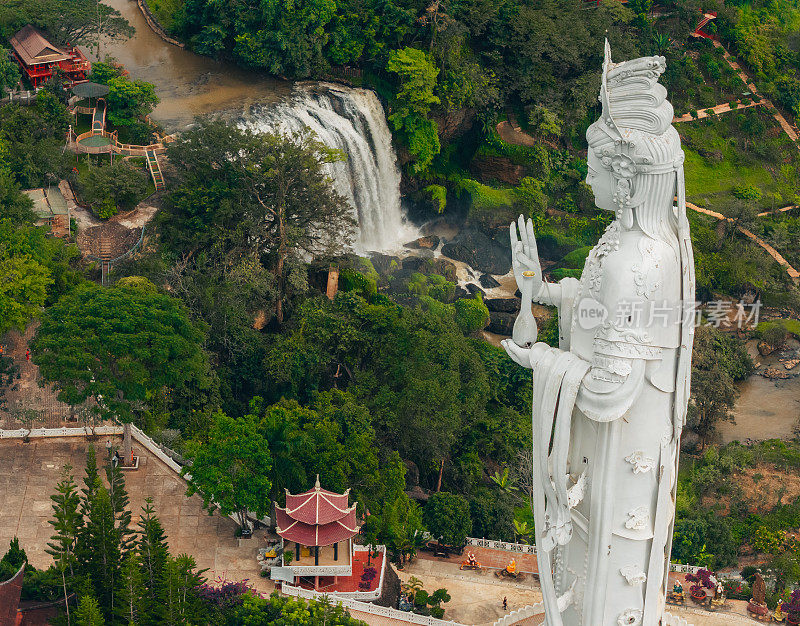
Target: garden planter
[(757, 609), (699, 596)]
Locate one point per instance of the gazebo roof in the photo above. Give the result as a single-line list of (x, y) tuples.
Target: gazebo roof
[(316, 534), (90, 90), (317, 505)]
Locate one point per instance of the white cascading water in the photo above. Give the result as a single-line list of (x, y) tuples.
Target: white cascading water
[(353, 121)]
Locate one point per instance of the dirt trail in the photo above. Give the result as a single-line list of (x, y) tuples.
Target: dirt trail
[(789, 129), (791, 271)]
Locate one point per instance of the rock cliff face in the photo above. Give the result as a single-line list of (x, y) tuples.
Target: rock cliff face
[(496, 169), (487, 254)]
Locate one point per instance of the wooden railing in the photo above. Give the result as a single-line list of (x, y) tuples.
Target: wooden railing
[(125, 149)]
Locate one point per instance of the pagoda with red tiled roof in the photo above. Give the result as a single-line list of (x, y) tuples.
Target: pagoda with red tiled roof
[(318, 527)]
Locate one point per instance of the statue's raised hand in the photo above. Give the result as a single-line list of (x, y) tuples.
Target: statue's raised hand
[(525, 257), (528, 274)]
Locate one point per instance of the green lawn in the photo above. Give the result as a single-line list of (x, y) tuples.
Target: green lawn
[(705, 178), (739, 148)]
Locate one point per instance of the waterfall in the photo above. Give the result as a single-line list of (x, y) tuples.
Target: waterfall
[(353, 121)]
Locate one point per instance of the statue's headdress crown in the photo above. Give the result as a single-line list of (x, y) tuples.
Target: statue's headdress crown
[(634, 135), (635, 109), (632, 97)]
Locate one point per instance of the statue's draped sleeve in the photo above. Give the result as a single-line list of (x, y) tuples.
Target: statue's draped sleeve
[(562, 296)]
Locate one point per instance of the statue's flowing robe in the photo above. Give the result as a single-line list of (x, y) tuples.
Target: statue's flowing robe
[(608, 408)]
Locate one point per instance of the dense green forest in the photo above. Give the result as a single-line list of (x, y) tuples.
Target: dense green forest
[(217, 338)]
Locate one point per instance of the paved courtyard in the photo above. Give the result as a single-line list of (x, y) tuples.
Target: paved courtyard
[(475, 598), (28, 476)]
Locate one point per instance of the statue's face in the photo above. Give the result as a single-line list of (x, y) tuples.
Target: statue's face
[(601, 182)]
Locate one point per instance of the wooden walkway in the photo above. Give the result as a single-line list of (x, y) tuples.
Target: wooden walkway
[(725, 107), (155, 168)]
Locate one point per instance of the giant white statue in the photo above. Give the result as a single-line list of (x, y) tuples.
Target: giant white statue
[(610, 402)]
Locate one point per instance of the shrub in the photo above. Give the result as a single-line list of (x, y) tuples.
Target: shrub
[(471, 314), (767, 541), (792, 607), (563, 272), (353, 280), (576, 258), (745, 191)]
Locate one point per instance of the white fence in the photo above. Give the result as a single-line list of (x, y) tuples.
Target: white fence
[(83, 431), (24, 97), (519, 548), (673, 620), (365, 607), (520, 614)]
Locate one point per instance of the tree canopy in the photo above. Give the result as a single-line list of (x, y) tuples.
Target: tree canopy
[(231, 469), (448, 518), (263, 198), (121, 346)]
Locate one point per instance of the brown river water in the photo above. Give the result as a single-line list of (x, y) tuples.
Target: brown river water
[(188, 84)]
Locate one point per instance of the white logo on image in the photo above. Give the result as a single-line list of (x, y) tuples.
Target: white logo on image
[(591, 313)]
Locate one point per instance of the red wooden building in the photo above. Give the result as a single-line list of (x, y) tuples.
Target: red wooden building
[(38, 58)]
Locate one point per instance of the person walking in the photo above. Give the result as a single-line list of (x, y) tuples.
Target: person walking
[(28, 354), (505, 603)]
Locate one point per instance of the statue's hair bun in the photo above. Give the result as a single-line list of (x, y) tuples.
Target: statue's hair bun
[(635, 97)]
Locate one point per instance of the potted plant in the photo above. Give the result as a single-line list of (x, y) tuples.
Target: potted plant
[(792, 608), (701, 581)]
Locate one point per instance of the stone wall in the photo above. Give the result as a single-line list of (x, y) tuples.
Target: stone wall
[(152, 22), (10, 591)]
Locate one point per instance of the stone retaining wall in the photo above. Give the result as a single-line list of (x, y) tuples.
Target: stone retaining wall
[(157, 28)]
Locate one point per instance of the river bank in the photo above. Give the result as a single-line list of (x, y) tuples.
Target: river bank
[(188, 84)]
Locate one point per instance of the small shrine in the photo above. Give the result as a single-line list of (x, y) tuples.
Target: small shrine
[(317, 529)]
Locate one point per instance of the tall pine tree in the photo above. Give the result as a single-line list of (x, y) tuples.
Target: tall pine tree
[(181, 602), (88, 612), (132, 603), (67, 523), (119, 503), (101, 547), (154, 552)]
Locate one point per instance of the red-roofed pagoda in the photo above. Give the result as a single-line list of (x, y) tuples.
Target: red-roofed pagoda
[(318, 527)]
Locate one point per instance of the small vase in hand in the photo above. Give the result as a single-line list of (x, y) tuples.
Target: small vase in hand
[(525, 329)]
